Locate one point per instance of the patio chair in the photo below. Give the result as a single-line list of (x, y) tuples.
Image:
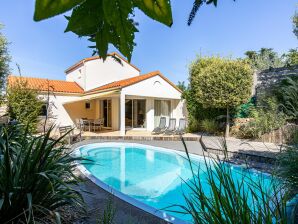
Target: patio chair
[(77, 123), (84, 125), (97, 124), (71, 136), (181, 128), (162, 126), (171, 128)]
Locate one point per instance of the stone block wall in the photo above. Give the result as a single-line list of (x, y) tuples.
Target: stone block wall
[(267, 78)]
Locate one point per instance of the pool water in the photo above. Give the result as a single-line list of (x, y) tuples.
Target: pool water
[(149, 174)]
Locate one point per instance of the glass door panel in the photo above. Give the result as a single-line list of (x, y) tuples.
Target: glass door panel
[(128, 113), (109, 123), (135, 113), (139, 113), (107, 113)]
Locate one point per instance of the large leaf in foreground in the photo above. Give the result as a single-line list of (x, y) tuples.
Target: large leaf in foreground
[(45, 9), (159, 10)]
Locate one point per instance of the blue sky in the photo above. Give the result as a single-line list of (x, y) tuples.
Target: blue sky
[(43, 49)]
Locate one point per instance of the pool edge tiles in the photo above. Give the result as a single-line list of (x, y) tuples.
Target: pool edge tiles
[(134, 202)]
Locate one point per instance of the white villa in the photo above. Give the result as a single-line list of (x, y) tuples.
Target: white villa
[(114, 90)]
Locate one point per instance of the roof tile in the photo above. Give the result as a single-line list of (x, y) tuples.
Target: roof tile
[(45, 84), (73, 87)]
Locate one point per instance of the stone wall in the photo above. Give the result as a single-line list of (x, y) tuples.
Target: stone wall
[(266, 78), (282, 135)]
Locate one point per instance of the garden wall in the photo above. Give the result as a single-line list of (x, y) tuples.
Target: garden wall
[(266, 78), (282, 135)]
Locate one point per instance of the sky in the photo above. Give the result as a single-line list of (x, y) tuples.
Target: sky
[(42, 49)]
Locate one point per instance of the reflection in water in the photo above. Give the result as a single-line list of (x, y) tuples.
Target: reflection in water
[(150, 155)]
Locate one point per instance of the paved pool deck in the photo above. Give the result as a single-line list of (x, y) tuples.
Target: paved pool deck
[(127, 213), (214, 143)]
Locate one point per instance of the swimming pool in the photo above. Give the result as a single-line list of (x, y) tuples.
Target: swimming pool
[(146, 176)]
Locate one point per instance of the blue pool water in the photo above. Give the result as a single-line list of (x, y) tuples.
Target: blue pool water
[(148, 174)]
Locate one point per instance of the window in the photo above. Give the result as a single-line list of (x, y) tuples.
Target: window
[(43, 110), (87, 105), (162, 108)]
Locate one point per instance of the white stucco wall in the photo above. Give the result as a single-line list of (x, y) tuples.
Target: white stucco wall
[(150, 114), (178, 109), (95, 73), (99, 73), (153, 87), (78, 76), (57, 111), (115, 113)]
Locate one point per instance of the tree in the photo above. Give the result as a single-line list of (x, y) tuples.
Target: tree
[(106, 22), (263, 59), (4, 59), (295, 24), (291, 58), (221, 83), (182, 86), (24, 106)]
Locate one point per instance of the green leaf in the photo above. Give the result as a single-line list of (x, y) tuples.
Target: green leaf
[(45, 9), (159, 10), (102, 43), (117, 14), (86, 18), (1, 203)]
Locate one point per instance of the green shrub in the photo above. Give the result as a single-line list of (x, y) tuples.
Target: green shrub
[(220, 83), (36, 176), (266, 118), (209, 126), (24, 106), (288, 167), (287, 93), (193, 124), (197, 113), (108, 214)]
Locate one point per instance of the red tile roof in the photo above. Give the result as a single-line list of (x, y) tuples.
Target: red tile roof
[(81, 62), (73, 87), (45, 84), (130, 81)]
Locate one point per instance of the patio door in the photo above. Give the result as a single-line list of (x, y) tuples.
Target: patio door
[(107, 113), (135, 113)]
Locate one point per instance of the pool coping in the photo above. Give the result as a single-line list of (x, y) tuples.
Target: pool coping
[(143, 138), (134, 202)]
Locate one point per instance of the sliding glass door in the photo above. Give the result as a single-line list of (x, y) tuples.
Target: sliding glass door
[(162, 108), (107, 113), (135, 113), (128, 113)]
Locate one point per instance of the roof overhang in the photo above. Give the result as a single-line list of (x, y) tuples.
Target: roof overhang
[(93, 96)]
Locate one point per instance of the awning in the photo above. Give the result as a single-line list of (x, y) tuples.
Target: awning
[(92, 96)]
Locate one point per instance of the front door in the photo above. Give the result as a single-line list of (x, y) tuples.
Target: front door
[(107, 113)]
